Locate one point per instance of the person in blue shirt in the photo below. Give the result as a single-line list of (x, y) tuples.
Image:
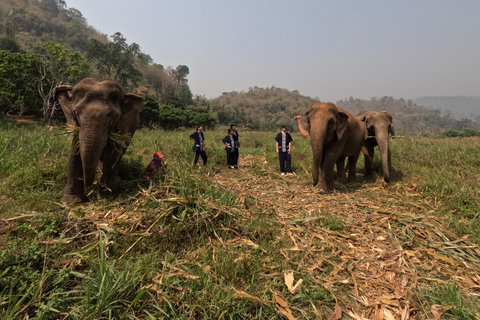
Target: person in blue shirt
[(283, 146), (236, 135), (199, 146), (230, 147)]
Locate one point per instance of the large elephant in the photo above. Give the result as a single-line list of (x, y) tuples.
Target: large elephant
[(335, 134), (379, 125), (98, 108)]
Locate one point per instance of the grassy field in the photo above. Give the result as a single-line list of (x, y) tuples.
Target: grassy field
[(213, 243)]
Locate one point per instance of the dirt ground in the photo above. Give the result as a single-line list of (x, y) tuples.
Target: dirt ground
[(392, 242)]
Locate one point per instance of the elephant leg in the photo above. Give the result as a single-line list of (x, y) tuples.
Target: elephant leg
[(111, 159), (74, 192), (322, 185), (341, 170), (369, 161), (352, 168), (328, 166), (390, 168)]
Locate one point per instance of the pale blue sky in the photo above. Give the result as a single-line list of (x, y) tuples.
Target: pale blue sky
[(326, 49)]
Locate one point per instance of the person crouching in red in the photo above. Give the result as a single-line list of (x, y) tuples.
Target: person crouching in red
[(154, 166)]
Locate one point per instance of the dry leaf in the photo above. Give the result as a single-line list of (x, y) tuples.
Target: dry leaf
[(289, 280), (243, 294), (283, 306), (438, 310), (336, 314)]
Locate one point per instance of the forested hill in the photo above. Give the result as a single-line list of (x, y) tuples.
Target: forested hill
[(261, 108), (458, 106), (268, 108), (44, 43), (408, 117), (27, 23)]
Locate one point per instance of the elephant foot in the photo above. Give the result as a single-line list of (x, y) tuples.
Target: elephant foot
[(70, 199), (321, 188)]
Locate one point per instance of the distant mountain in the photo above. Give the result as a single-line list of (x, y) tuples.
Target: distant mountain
[(457, 106)]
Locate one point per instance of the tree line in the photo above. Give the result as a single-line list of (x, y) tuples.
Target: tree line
[(43, 44)]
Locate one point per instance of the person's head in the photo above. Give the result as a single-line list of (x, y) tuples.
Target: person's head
[(158, 155), (232, 126), (230, 131), (200, 128), (284, 128)]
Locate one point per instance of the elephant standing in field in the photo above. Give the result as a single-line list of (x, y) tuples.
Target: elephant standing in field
[(335, 134), (98, 108), (379, 125)]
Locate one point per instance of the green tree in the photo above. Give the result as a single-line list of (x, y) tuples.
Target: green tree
[(181, 73), (58, 65), (208, 120), (116, 59), (171, 117), (19, 76), (184, 95), (150, 115)]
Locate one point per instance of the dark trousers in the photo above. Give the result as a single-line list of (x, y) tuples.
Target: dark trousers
[(236, 157), (285, 158), (231, 160), (202, 154)]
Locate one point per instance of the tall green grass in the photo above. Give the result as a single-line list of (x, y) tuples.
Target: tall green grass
[(176, 224)]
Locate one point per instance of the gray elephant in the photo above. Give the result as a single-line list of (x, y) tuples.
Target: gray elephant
[(335, 134), (99, 108), (379, 125)]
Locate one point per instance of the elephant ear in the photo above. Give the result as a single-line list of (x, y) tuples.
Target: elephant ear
[(365, 130), (390, 126), (342, 121), (128, 122), (392, 131), (303, 124), (63, 94), (388, 115)]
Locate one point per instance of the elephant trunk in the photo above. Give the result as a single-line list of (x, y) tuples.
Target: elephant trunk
[(92, 139), (317, 136), (382, 140)]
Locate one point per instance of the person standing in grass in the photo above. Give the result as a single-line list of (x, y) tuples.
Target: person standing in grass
[(230, 146), (283, 145), (235, 136), (199, 146)]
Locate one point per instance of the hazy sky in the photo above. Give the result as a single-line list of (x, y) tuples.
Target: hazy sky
[(327, 49)]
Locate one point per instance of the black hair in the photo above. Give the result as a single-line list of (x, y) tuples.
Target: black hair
[(200, 125), (284, 126), (229, 130), (232, 125)]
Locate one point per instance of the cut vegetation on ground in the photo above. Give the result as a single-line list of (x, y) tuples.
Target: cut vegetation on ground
[(204, 243)]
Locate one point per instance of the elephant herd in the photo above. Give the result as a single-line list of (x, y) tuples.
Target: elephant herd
[(337, 135), (98, 108)]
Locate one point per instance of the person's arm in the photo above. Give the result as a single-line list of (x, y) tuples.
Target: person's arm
[(276, 146), (289, 143), (190, 137)]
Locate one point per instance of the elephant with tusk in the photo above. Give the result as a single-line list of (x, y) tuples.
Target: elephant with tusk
[(335, 135), (99, 108), (379, 125)]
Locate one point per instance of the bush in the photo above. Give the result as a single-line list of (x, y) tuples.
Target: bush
[(464, 133)]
